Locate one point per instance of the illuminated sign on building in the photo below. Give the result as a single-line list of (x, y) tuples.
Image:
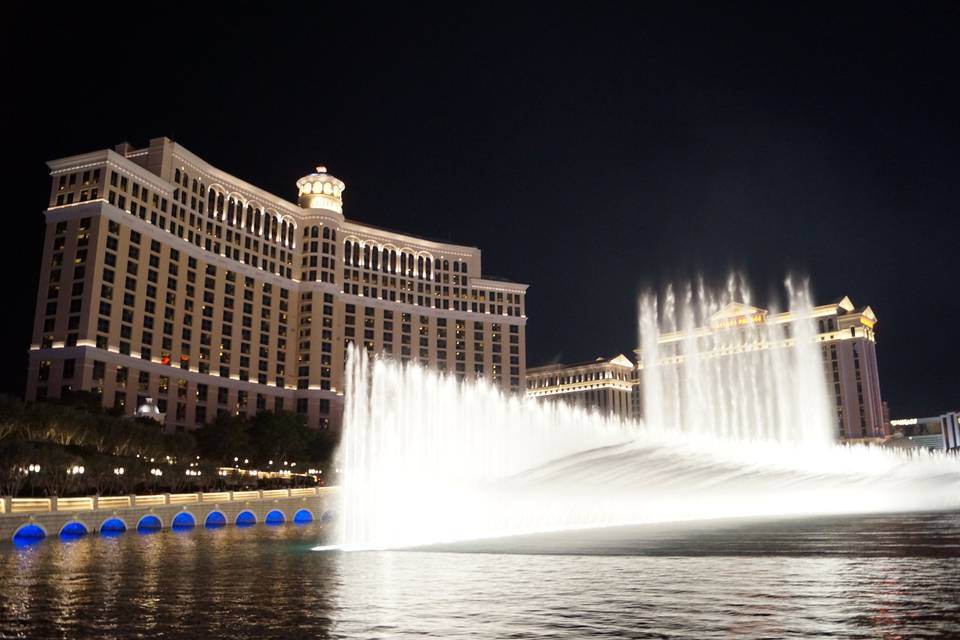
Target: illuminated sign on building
[(726, 323)]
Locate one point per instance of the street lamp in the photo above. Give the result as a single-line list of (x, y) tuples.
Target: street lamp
[(118, 471)]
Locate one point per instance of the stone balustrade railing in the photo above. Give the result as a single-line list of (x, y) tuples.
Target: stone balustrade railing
[(88, 503)]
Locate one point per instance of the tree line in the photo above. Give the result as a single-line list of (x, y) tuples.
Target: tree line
[(74, 447)]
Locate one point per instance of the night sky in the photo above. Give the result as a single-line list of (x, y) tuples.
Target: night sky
[(588, 152)]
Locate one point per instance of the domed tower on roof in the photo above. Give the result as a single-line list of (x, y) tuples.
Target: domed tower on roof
[(320, 190)]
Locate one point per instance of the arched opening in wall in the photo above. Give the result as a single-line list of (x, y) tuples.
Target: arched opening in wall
[(149, 524), (215, 520), (246, 519), (328, 517), (73, 530), (303, 516), (28, 534), (183, 520), (275, 517), (112, 527)]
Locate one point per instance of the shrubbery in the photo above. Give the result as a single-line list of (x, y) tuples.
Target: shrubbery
[(61, 437)]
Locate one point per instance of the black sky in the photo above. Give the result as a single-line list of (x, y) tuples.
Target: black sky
[(588, 151)]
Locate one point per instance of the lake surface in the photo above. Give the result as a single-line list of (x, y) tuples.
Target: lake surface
[(892, 576)]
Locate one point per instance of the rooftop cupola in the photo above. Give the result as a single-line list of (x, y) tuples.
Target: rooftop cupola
[(320, 190)]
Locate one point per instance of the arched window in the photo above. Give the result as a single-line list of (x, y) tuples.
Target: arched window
[(356, 254), (375, 258), (326, 233), (403, 263), (283, 233), (211, 201), (220, 205), (193, 187), (315, 232), (420, 266), (248, 223), (366, 256), (393, 261), (347, 248), (230, 208)]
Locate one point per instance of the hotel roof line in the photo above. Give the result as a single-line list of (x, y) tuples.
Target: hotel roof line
[(777, 318), (249, 192), (619, 359)]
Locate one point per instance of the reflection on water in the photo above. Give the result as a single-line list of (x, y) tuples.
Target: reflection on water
[(870, 576)]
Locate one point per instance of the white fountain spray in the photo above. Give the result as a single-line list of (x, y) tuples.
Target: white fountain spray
[(715, 365), (428, 459)]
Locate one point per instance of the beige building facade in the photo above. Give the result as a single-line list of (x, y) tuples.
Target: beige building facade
[(604, 385), (165, 277)]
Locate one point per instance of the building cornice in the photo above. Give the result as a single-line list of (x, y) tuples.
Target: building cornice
[(249, 191), (110, 158)]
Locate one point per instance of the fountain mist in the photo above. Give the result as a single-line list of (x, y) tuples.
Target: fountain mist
[(715, 365), (429, 459)]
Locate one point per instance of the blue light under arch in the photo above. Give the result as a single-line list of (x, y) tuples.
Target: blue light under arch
[(246, 519), (303, 516), (215, 520), (183, 520), (275, 517), (28, 534), (149, 524), (112, 527), (73, 530)]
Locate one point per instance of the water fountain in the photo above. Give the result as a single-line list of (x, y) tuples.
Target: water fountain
[(428, 459)]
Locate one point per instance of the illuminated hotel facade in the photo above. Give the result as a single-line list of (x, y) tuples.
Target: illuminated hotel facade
[(165, 277), (845, 335), (604, 385)]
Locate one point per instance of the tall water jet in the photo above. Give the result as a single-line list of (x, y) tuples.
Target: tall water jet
[(713, 364), (736, 425)]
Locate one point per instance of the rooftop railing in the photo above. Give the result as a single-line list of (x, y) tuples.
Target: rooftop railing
[(89, 503)]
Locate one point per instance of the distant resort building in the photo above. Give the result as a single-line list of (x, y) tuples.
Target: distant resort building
[(936, 432), (844, 332), (604, 385)]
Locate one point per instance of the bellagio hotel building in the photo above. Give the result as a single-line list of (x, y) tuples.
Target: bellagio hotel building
[(164, 277)]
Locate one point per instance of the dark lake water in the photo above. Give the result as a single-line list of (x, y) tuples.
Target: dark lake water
[(893, 576)]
